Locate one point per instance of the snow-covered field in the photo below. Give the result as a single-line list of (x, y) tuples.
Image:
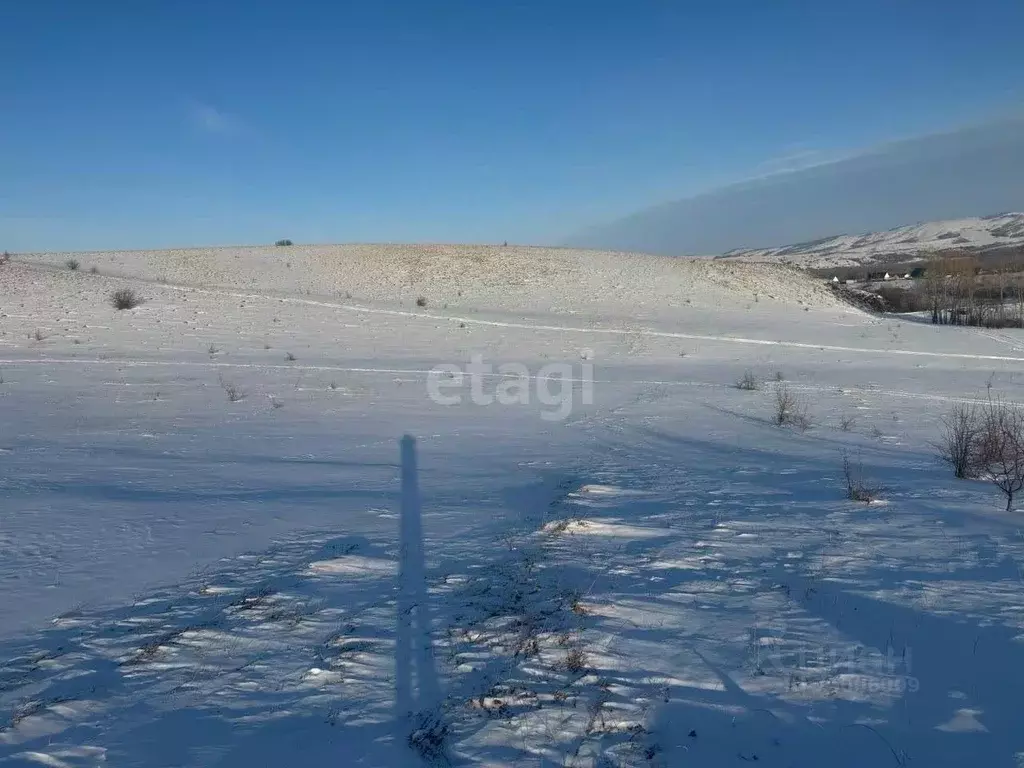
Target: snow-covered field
[(903, 243), (662, 577)]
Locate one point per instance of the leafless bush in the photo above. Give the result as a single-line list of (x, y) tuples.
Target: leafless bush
[(72, 264), (1000, 449), (576, 604), (986, 442), (748, 382), (125, 298), (576, 660), (232, 390), (846, 422), (429, 738), (801, 420), (789, 409), (857, 488), (421, 301), (960, 442)]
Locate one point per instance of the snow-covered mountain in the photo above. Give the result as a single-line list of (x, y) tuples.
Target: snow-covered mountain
[(979, 234)]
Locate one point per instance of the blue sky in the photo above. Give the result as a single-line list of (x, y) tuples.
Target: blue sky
[(139, 124)]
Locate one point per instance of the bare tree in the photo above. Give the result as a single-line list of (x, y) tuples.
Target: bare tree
[(951, 288), (934, 285), (1002, 278), (960, 440), (1001, 448), (748, 382), (789, 410), (1019, 291)]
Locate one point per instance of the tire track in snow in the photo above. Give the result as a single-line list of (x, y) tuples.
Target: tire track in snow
[(1003, 338), (835, 390), (650, 332)]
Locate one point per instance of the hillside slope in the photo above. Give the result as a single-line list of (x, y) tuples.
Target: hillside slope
[(487, 278), (217, 552)]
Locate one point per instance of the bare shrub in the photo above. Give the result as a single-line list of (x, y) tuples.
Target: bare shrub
[(576, 660), (232, 390), (429, 738), (986, 442), (125, 298), (857, 488), (960, 442), (576, 604), (421, 301), (846, 422), (789, 409), (801, 420), (1000, 451), (72, 264), (748, 382)]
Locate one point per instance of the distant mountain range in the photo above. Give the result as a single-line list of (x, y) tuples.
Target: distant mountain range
[(979, 234), (973, 171)]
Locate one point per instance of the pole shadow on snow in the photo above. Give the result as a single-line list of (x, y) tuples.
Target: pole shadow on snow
[(415, 701)]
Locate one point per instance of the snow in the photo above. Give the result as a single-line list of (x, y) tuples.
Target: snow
[(664, 577), (903, 243)]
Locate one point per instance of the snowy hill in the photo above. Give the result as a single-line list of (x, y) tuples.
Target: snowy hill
[(979, 234), (561, 281), (217, 550)]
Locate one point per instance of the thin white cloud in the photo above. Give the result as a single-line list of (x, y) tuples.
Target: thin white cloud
[(799, 160), (212, 120), (802, 158)]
